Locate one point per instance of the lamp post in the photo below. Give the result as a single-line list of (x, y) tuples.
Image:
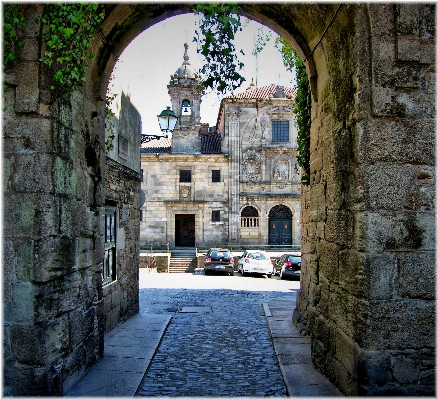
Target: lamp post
[(167, 120)]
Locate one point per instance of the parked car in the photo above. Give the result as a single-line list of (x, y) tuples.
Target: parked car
[(219, 260), (255, 261), (288, 265)]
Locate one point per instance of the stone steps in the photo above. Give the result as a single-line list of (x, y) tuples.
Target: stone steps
[(182, 261)]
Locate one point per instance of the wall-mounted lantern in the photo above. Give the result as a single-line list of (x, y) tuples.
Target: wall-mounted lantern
[(167, 120)]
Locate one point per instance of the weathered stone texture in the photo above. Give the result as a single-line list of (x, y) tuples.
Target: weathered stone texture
[(368, 275)]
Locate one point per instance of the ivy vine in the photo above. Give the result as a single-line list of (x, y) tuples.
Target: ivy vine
[(215, 40), (109, 113), (302, 107), (12, 45), (69, 29)]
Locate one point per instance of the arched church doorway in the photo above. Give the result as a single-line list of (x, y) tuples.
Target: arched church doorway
[(280, 226)]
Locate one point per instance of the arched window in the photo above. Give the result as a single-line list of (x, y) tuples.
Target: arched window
[(249, 211), (249, 217), (185, 108)]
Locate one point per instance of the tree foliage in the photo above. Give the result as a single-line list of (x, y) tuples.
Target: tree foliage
[(217, 29)]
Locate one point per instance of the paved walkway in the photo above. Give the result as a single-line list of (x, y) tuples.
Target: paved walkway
[(134, 362)]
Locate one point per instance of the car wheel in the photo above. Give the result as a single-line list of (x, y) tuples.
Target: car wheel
[(206, 272), (232, 273)]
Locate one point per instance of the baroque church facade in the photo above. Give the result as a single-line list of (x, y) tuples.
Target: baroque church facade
[(235, 184)]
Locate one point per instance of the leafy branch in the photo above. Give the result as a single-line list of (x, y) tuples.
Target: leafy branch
[(217, 29)]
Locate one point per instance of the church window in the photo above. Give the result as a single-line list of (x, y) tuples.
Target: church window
[(185, 109), (280, 131), (249, 217), (109, 263), (216, 216), (185, 176), (215, 176)]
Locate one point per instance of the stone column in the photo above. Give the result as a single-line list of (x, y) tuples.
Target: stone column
[(234, 135)]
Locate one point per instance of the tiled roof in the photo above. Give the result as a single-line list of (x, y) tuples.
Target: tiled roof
[(211, 144), (156, 146), (261, 92)]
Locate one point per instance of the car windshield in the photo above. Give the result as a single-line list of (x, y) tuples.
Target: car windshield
[(294, 259), (258, 255)]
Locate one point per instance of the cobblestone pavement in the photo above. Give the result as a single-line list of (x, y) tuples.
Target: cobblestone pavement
[(218, 342)]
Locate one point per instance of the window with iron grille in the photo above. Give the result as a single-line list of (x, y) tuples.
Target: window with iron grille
[(215, 176), (185, 176), (109, 271), (280, 131), (216, 216)]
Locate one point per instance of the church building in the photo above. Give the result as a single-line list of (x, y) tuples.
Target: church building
[(236, 183)]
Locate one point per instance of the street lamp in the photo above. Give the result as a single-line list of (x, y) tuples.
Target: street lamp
[(167, 120)]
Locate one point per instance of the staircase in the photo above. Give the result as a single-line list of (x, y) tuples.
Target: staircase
[(182, 260)]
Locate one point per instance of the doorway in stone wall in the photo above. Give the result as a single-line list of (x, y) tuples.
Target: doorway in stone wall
[(184, 230), (280, 226)]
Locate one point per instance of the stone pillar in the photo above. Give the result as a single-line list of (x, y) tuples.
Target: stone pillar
[(234, 179)]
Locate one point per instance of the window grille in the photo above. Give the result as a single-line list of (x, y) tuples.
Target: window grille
[(216, 216), (215, 176), (185, 176), (280, 131), (109, 263)]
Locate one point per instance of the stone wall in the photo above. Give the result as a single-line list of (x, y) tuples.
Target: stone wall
[(156, 262), (368, 271), (52, 202), (121, 296), (123, 184), (166, 196)]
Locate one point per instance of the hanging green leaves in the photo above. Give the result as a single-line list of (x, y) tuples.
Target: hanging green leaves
[(68, 31), (11, 43), (217, 29), (303, 105)]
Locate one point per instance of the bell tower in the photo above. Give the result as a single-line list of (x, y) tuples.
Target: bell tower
[(185, 93)]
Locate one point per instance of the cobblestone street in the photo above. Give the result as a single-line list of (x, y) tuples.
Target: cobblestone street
[(218, 342)]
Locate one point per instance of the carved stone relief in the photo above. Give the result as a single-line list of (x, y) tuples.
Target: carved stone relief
[(185, 192), (280, 169), (233, 114), (252, 165)]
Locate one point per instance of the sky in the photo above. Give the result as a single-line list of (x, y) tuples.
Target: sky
[(145, 66)]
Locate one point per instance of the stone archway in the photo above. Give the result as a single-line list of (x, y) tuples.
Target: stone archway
[(368, 227)]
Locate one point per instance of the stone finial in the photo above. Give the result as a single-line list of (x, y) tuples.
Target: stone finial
[(186, 56)]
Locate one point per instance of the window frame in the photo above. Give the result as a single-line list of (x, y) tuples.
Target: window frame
[(215, 216), (278, 133), (109, 263), (216, 177), (186, 172)]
